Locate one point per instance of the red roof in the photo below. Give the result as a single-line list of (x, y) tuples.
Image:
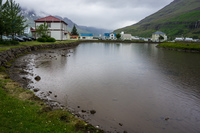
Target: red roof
[(33, 30), (50, 19), (74, 35)]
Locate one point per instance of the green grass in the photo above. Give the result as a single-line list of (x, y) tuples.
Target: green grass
[(32, 43), (22, 112), (181, 45)]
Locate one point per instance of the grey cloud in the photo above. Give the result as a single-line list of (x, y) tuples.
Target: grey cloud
[(110, 14)]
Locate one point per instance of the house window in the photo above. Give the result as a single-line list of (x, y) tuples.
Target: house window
[(49, 25)]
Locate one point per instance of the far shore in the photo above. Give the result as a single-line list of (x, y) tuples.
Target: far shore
[(180, 46)]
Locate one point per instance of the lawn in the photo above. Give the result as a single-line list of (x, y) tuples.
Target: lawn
[(32, 43), (181, 45)]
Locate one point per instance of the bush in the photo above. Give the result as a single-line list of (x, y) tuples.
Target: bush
[(41, 39), (45, 36), (51, 39), (9, 42), (13, 42)]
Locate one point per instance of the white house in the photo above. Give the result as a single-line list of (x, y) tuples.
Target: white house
[(179, 39), (57, 28), (135, 38), (156, 36), (27, 30), (86, 36), (110, 36), (189, 39), (125, 36)]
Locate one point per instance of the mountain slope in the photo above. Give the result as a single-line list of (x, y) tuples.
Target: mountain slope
[(30, 16), (181, 17)]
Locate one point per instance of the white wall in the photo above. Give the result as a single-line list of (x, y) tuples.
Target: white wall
[(54, 30), (86, 37), (56, 35)]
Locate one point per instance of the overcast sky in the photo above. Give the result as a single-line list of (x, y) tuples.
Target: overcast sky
[(108, 14)]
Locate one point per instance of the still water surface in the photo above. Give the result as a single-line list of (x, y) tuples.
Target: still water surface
[(136, 88)]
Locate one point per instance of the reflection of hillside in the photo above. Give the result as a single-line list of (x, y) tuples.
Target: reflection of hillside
[(178, 67)]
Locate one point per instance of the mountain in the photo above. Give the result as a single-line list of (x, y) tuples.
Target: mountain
[(179, 18), (30, 16)]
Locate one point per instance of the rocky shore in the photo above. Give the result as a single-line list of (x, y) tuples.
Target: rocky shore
[(13, 53), (10, 55)]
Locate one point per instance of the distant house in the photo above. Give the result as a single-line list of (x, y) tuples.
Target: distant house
[(179, 39), (86, 36), (189, 39), (135, 38), (27, 30), (126, 36), (156, 36), (33, 32), (110, 36), (57, 27), (74, 37)]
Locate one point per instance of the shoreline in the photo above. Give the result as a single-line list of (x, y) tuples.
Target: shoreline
[(47, 106), (10, 55), (180, 46)]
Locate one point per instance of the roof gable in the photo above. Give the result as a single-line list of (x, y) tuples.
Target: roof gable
[(159, 32), (50, 19)]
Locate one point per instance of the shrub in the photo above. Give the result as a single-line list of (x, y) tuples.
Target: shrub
[(45, 36), (13, 42), (41, 39), (51, 39), (9, 42)]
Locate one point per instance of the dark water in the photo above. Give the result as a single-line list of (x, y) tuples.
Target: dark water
[(132, 87)]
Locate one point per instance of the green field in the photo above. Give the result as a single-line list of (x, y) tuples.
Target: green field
[(181, 45)]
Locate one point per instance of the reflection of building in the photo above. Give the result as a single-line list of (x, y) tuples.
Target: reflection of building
[(57, 28), (159, 36), (86, 36)]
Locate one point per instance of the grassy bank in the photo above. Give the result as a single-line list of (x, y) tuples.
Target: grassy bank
[(180, 45), (22, 111), (32, 43)]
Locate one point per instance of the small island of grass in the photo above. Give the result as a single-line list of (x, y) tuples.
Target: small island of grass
[(181, 46)]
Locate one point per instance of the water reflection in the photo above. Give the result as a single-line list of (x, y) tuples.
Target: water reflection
[(133, 87)]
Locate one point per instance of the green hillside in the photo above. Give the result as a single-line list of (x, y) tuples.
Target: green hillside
[(181, 17)]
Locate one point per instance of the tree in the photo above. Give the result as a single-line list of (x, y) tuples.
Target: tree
[(42, 30), (118, 36), (74, 31), (13, 19), (1, 20)]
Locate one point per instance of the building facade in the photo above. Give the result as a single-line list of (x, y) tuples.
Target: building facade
[(156, 37), (86, 36), (57, 28), (109, 36)]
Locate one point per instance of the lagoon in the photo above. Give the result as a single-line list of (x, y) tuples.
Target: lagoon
[(133, 87)]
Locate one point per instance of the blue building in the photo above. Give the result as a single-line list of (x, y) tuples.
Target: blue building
[(86, 36), (110, 36)]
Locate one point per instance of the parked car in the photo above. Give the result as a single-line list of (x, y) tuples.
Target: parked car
[(17, 38), (25, 38), (5, 38), (32, 38)]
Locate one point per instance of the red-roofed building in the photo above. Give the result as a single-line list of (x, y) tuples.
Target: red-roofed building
[(57, 27)]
